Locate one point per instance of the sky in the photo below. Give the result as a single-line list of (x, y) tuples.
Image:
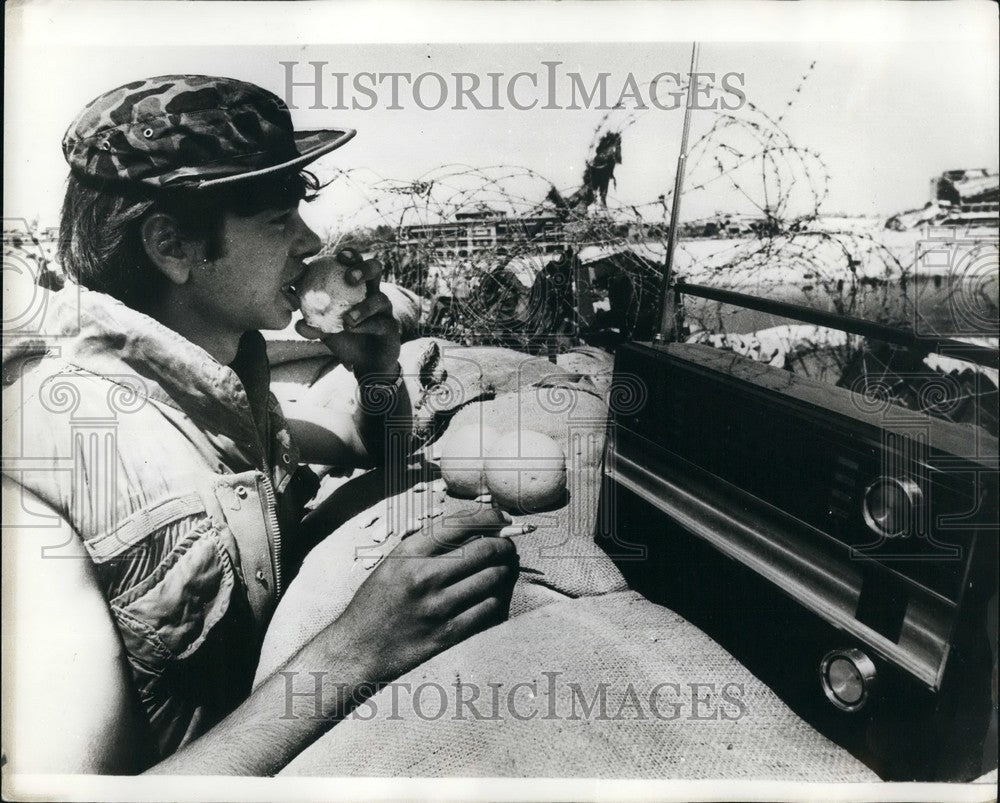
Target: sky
[(884, 114)]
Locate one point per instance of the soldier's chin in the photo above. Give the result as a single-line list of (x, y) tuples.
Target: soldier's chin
[(279, 318)]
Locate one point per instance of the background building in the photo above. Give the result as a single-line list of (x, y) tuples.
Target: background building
[(482, 229)]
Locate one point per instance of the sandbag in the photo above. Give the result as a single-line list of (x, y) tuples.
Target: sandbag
[(291, 380), (406, 309), (440, 377), (558, 560), (593, 363), (420, 360), (675, 705)]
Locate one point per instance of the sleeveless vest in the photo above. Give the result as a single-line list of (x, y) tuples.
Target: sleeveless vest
[(178, 475)]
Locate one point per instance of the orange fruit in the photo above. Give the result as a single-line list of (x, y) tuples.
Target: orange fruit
[(526, 472), (324, 294), (462, 456)]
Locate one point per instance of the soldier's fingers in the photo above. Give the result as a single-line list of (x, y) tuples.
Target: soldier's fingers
[(363, 270), (440, 535), (373, 305), (487, 613), (471, 558), (491, 581), (349, 256)]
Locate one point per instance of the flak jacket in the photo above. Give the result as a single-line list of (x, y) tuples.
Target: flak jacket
[(178, 475)]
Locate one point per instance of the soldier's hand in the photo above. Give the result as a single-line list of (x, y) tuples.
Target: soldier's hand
[(441, 585), (370, 342)]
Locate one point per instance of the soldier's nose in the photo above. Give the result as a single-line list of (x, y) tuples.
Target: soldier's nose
[(307, 243)]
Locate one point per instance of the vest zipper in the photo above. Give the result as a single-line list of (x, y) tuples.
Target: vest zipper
[(273, 529)]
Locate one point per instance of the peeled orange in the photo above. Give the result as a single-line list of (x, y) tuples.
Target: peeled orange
[(526, 471), (324, 294)]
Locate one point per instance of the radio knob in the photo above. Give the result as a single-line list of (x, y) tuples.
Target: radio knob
[(848, 678), (891, 506)]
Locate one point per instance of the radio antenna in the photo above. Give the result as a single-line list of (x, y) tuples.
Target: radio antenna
[(668, 311)]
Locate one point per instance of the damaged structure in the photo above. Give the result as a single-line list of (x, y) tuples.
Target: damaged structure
[(958, 197)]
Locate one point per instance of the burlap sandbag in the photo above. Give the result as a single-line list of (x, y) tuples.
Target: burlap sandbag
[(441, 377), (605, 636), (558, 560), (593, 363), (716, 720)]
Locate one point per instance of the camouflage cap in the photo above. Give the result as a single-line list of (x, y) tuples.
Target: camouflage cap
[(194, 131)]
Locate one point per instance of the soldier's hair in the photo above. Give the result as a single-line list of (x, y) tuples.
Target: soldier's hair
[(100, 239)]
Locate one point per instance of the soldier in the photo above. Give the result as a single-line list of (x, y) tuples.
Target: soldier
[(181, 232)]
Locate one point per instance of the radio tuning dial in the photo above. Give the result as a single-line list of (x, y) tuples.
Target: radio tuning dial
[(890, 507), (848, 678)]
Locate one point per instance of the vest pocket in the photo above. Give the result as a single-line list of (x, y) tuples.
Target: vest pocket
[(244, 509), (170, 613)]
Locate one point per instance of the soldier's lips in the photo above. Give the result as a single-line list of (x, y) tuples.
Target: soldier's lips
[(290, 292), (290, 289)]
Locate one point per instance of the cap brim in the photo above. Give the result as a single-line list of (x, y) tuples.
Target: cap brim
[(311, 145)]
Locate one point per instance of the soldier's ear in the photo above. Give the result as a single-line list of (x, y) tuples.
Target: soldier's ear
[(168, 249)]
